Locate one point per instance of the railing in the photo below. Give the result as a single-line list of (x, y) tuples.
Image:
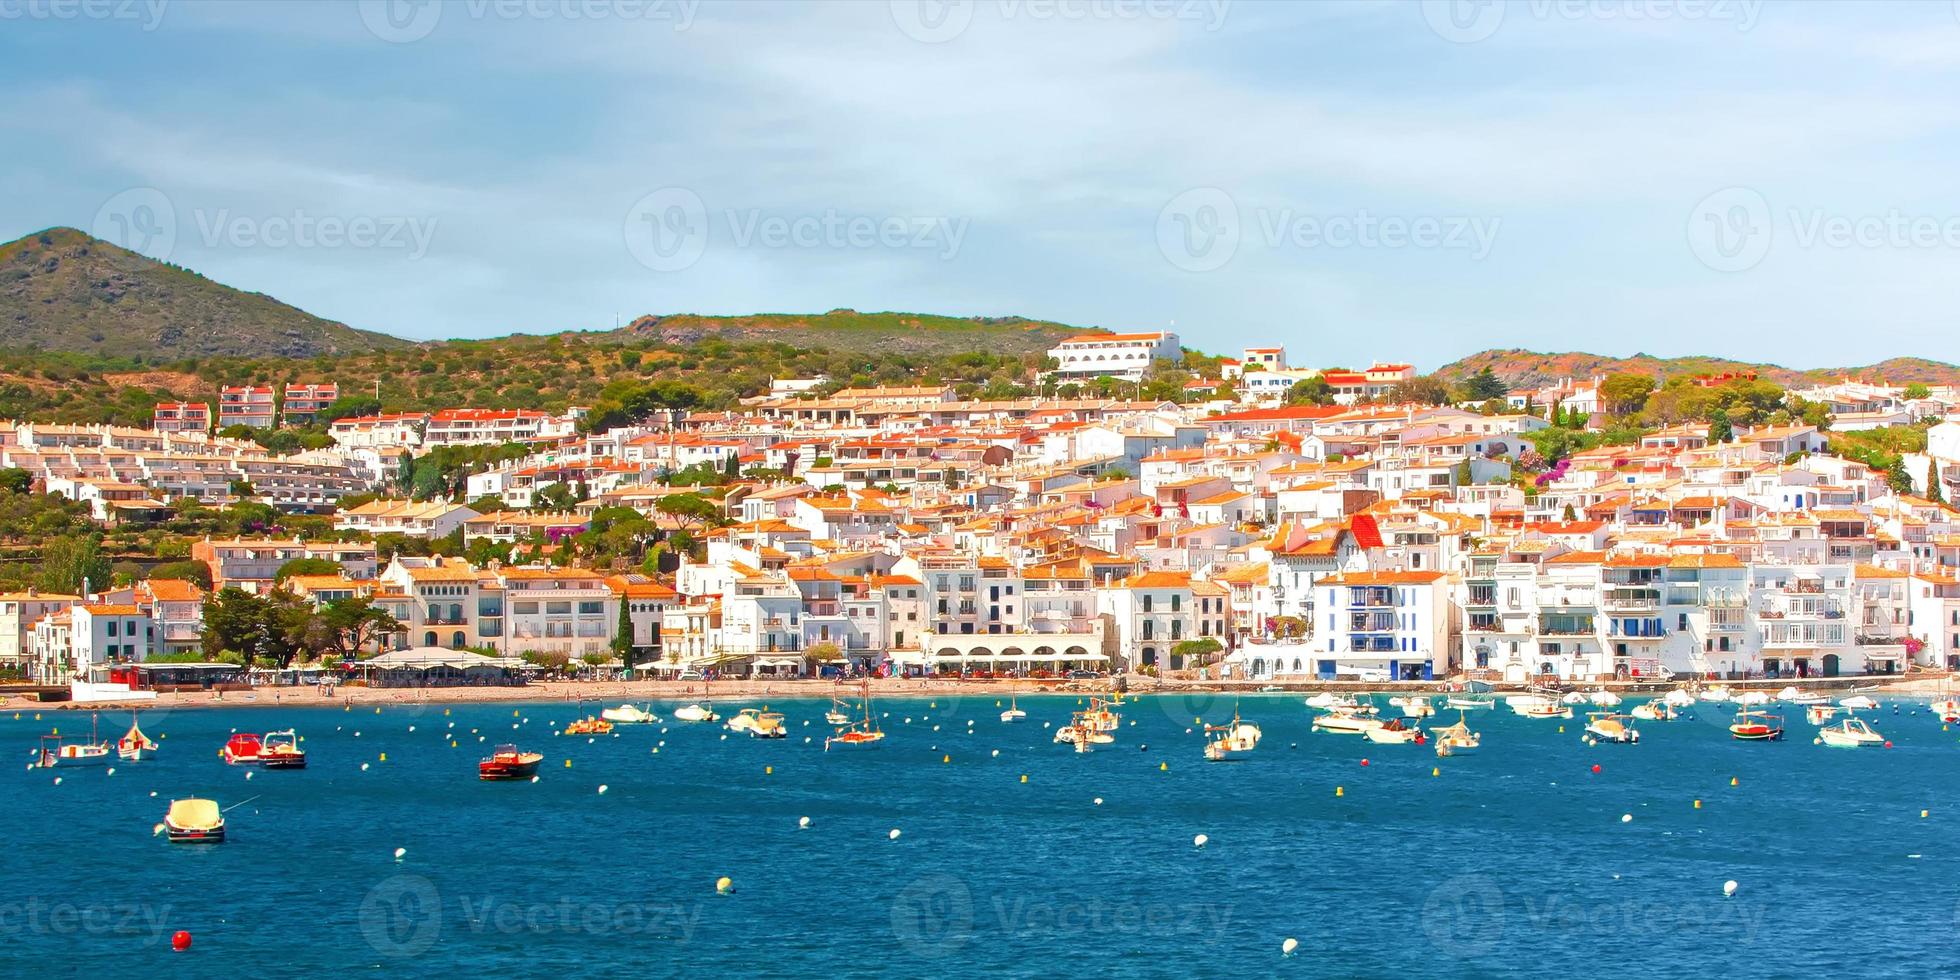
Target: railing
[(1865, 640)]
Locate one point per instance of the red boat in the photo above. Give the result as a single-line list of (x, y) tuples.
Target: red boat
[(508, 763), (244, 749)]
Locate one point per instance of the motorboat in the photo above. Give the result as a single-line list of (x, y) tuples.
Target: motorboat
[(768, 724), (1231, 742), (507, 763), (56, 750), (1818, 714), (1603, 698), (1752, 699), (1100, 717), (1329, 701), (1083, 727), (588, 725), (194, 821), (1679, 698), (1013, 712), (744, 720), (1607, 726), (1535, 705), (1851, 733), (135, 746), (243, 749), (1393, 732), (696, 712), (1790, 695), (1344, 723), (1469, 702), (1858, 702), (280, 750), (1716, 695), (1457, 739), (1573, 699), (1655, 710), (1948, 710), (629, 714), (1413, 705), (1755, 726)]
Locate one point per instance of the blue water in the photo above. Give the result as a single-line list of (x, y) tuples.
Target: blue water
[(1511, 861)]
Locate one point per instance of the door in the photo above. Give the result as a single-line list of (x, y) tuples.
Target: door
[(1830, 665)]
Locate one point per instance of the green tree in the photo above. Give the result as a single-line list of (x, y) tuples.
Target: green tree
[(195, 572), (356, 621), (691, 509), (16, 480), (1425, 389), (1484, 386), (622, 641), (306, 566), (1311, 391), (1896, 476), (71, 562), (1719, 429), (1933, 492), (1917, 390), (1626, 393)]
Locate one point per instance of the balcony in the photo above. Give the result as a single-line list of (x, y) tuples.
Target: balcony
[(1633, 599), (1879, 639)]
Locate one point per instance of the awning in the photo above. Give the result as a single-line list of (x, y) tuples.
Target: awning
[(779, 661)]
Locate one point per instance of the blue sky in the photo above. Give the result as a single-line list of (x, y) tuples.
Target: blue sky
[(1376, 180)]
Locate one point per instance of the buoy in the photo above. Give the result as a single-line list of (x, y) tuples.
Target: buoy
[(157, 831), (602, 789), (1436, 770), (1163, 767), (1340, 791), (1595, 768), (1733, 782), (1561, 729), (1626, 818), (400, 852), (724, 886), (248, 772), (1364, 762), (769, 770), (1888, 743), (893, 835), (1922, 814), (996, 754), (945, 759), (1099, 801), (803, 823), (364, 768), (1697, 804), (1286, 948), (1200, 840), (534, 779), (57, 780), (1024, 777), (111, 772), (180, 940), (1728, 888), (384, 757)]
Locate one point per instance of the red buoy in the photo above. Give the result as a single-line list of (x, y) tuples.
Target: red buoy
[(1364, 762), (1595, 768), (180, 941)]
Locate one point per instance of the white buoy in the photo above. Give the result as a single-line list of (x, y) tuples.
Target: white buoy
[(1200, 840), (602, 789), (996, 754), (803, 823), (892, 836), (1099, 801), (534, 779), (153, 794), (363, 768), (401, 852), (1728, 888), (248, 772), (111, 772), (411, 728), (1286, 948), (1626, 818), (57, 782)]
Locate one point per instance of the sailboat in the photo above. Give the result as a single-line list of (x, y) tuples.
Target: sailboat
[(1013, 712), (1234, 742), (1457, 739), (865, 733), (1755, 726), (57, 752), (1082, 731), (839, 713), (135, 746), (1948, 710)]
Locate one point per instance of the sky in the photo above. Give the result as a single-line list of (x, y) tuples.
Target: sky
[(1370, 181)]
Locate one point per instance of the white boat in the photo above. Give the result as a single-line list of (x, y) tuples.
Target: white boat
[(1392, 732), (627, 714), (1948, 710), (744, 720), (1679, 698), (696, 712), (1857, 702), (1457, 739), (1603, 699), (1605, 726), (1013, 712), (1716, 694), (839, 713), (1573, 698), (1412, 705), (1655, 710), (1818, 714), (1752, 698), (1344, 723), (135, 746), (1328, 700), (1469, 702), (56, 751), (1232, 742), (1791, 695), (1537, 706), (1851, 733)]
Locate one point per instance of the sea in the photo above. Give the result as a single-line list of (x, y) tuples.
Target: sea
[(965, 847)]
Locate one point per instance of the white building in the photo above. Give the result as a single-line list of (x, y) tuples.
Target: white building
[(1119, 355)]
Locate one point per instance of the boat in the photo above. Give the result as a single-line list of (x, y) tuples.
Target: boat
[(194, 821), (508, 763), (1948, 710), (1607, 726), (1655, 710), (1818, 714), (865, 733), (135, 746), (243, 749), (1470, 702), (280, 750), (1538, 705), (58, 751), (1752, 699), (1851, 733), (588, 725), (1679, 698), (1457, 739), (1858, 702), (1715, 694), (1603, 698), (1101, 716), (1412, 705), (1233, 742), (839, 713), (768, 724), (696, 712), (1013, 712), (1755, 726), (1329, 701), (1344, 723), (744, 720), (1393, 732), (628, 714), (1572, 698), (1790, 695)]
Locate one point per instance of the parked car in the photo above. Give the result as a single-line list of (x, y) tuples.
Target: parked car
[(1083, 675), (690, 675)]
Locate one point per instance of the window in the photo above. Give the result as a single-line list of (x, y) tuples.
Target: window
[(590, 608), (112, 627), (558, 608), (524, 608)]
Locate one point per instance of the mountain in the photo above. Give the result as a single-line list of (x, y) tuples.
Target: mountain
[(849, 330), (63, 290), (1523, 368)]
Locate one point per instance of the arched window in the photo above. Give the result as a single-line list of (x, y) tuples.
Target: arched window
[(429, 638), (456, 641)]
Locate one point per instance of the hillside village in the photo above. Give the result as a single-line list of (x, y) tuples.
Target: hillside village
[(1277, 523)]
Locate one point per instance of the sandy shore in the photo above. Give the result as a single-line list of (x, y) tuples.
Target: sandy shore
[(618, 692)]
